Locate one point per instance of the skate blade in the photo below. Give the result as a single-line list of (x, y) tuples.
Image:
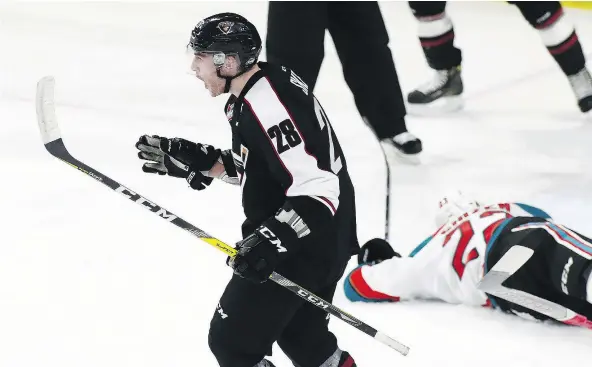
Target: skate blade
[(411, 159), (438, 107)]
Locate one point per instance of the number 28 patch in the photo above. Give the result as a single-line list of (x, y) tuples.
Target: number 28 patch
[(286, 136)]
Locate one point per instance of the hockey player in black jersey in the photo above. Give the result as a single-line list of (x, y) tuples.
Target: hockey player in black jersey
[(298, 199)]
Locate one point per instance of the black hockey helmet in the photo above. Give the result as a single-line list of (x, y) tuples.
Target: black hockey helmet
[(227, 34)]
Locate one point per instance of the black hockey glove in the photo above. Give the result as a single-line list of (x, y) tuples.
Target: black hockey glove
[(260, 253), (376, 251), (178, 158)]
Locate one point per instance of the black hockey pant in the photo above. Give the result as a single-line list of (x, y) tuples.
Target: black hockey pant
[(251, 317), (558, 270)]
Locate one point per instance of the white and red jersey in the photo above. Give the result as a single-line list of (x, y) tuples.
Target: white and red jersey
[(446, 266)]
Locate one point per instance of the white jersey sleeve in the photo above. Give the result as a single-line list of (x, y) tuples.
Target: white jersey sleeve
[(446, 266)]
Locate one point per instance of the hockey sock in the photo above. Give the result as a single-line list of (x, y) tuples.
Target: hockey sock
[(436, 35), (560, 38)]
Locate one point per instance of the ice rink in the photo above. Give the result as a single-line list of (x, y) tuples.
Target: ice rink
[(88, 279)]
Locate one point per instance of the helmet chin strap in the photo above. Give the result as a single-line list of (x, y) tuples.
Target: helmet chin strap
[(219, 59), (228, 79)]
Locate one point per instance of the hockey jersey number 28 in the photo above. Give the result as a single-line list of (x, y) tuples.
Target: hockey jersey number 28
[(446, 266)]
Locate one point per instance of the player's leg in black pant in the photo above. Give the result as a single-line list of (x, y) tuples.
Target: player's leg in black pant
[(251, 317), (296, 37), (361, 40), (306, 340), (248, 320)]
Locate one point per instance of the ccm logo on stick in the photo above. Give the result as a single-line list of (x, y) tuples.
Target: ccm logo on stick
[(145, 202)]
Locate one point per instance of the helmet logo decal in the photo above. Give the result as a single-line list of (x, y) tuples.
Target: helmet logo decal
[(225, 27)]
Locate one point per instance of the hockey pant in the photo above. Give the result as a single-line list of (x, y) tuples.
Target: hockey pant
[(558, 270), (251, 317)]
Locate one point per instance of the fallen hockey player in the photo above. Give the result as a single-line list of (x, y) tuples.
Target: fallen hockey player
[(509, 256)]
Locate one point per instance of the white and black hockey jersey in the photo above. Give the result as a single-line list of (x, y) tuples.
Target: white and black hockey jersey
[(447, 266), (287, 155)]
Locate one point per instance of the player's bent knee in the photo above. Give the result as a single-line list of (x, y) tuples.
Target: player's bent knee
[(234, 347), (223, 345)]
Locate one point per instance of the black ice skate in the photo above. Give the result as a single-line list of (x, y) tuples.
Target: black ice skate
[(581, 83), (405, 145), (443, 93)]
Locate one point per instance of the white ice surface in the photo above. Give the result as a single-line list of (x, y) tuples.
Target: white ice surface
[(88, 279)]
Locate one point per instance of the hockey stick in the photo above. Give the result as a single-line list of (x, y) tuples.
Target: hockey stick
[(52, 139), (387, 204), (508, 265), (387, 220)]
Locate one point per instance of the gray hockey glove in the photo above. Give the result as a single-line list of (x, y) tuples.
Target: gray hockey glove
[(178, 158)]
